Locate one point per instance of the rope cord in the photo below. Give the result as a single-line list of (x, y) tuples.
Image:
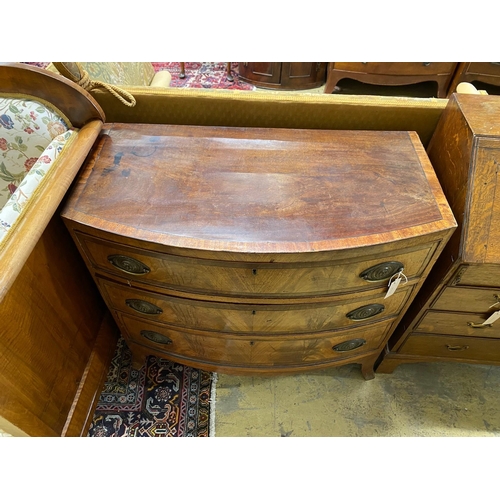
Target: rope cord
[(88, 84)]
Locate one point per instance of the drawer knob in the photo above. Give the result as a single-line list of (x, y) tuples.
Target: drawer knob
[(382, 271), (128, 264), (156, 337), (365, 312), (143, 307), (349, 345), (457, 347)]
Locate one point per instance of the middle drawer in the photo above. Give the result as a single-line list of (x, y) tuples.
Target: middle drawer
[(252, 318), (468, 299)]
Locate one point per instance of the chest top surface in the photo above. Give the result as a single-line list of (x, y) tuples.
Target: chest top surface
[(255, 190), (482, 113)]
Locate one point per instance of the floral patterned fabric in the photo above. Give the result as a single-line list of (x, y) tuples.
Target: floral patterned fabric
[(31, 137)]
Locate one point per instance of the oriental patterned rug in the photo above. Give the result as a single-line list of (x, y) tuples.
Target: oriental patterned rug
[(204, 75), (163, 399)]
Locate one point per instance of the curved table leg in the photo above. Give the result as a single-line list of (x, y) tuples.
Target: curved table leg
[(367, 370), (228, 71)]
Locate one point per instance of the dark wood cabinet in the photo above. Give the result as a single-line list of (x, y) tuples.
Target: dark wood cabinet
[(454, 316), (283, 75), (391, 73)]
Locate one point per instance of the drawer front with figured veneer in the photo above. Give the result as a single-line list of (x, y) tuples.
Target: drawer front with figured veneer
[(468, 299), (251, 318), (486, 275), (455, 347), (278, 350), (252, 279), (454, 323)]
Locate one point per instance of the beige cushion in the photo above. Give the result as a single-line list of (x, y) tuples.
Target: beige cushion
[(115, 73), (161, 79)]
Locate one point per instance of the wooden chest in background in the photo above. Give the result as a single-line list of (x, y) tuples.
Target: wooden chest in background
[(454, 315), (391, 73), (477, 73), (247, 250)]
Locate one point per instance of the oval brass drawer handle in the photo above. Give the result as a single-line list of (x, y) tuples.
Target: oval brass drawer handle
[(478, 325), (382, 271), (128, 264), (457, 347), (349, 345), (143, 307), (365, 312), (156, 337)]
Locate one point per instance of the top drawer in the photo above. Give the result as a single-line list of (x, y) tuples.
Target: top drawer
[(397, 68), (253, 279), (487, 275)]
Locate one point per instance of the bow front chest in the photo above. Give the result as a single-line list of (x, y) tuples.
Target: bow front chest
[(251, 250)]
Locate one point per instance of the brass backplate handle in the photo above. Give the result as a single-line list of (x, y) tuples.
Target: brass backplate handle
[(349, 345), (128, 264), (143, 307), (365, 312), (156, 337), (457, 347), (477, 325), (383, 271)]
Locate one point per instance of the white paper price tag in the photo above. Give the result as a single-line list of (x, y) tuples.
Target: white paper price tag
[(393, 287), (492, 318), (394, 282)]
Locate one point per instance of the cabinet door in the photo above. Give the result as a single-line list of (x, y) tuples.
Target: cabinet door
[(295, 75), (265, 72)]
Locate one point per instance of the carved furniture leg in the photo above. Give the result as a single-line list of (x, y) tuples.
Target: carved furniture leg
[(367, 368), (331, 86), (137, 361), (228, 71)]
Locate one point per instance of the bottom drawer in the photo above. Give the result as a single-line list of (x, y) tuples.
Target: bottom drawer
[(234, 350), (452, 347)]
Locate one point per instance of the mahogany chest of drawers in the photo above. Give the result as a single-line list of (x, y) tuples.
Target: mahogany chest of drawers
[(247, 250), (453, 318), (391, 73)]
